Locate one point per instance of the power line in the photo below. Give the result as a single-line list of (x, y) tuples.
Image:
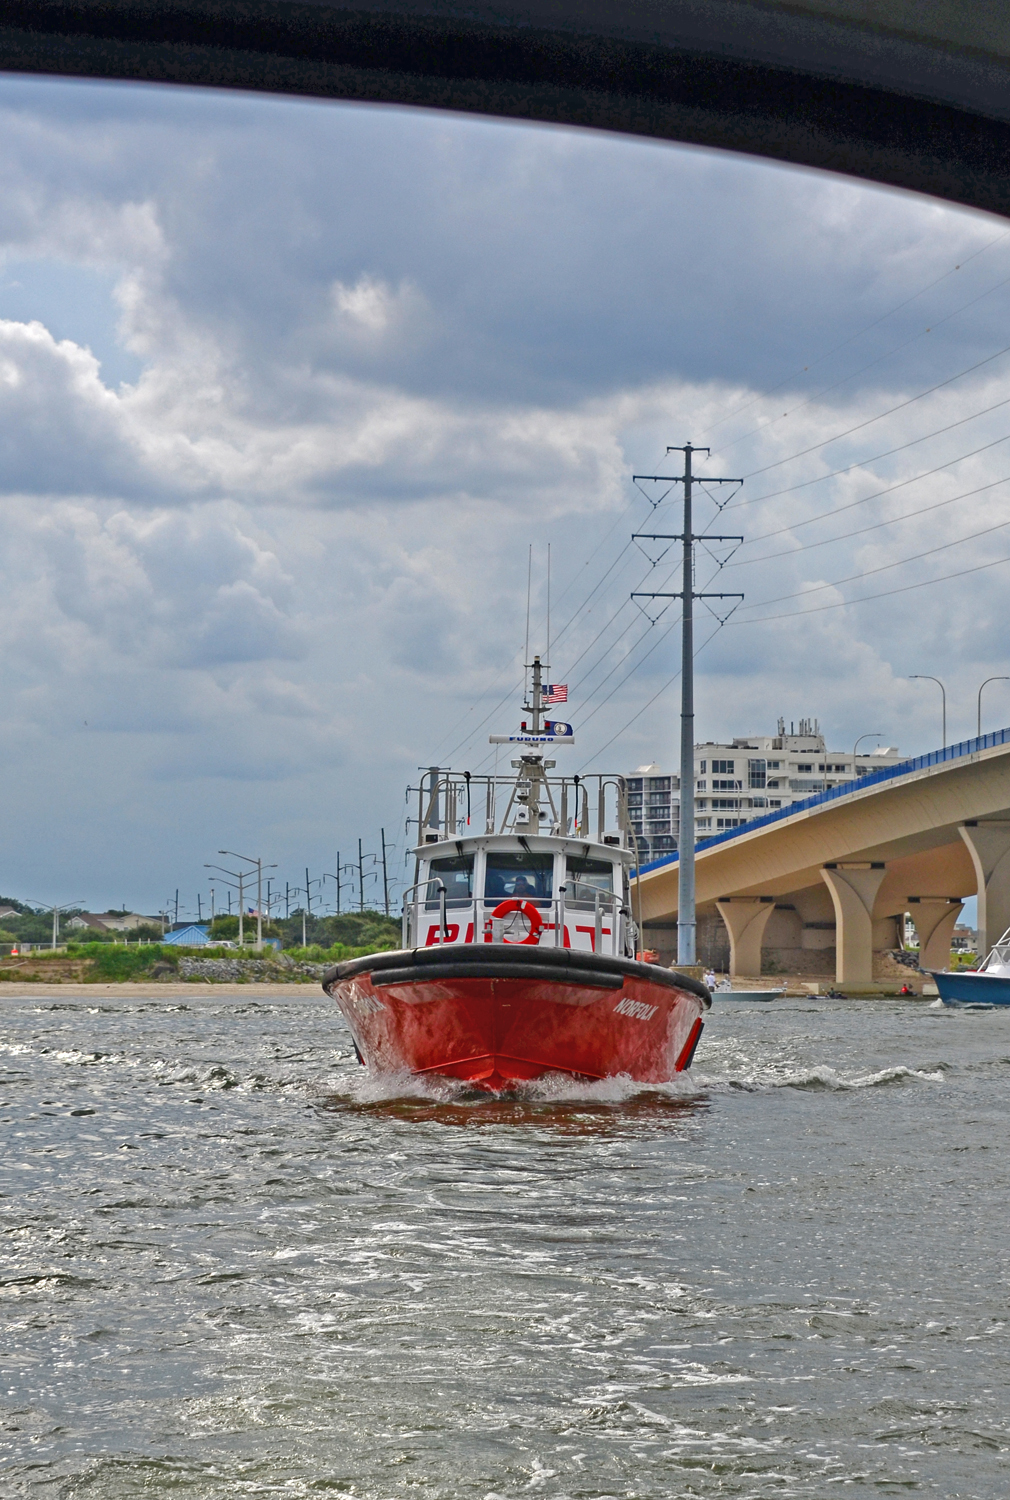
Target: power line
[(884, 567), (869, 421), (827, 389), (665, 688), (469, 737), (907, 515), (859, 333), (792, 614), (827, 515), (860, 463)]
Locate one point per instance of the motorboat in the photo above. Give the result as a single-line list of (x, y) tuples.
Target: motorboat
[(989, 984), (720, 993), (519, 943)]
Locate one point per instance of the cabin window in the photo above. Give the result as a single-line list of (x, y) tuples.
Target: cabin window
[(456, 874), (585, 877), (524, 875)]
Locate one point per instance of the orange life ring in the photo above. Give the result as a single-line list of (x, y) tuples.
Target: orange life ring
[(528, 910)]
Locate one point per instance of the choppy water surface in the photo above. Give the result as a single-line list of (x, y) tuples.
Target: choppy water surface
[(234, 1267)]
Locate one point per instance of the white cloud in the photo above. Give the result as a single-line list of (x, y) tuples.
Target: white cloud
[(249, 590)]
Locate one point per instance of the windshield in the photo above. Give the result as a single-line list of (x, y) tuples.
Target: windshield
[(526, 876), (456, 874), (585, 876)]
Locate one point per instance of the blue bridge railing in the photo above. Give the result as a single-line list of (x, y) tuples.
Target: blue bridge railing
[(845, 789)]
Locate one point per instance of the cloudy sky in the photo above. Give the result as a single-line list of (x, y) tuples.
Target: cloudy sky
[(288, 389)]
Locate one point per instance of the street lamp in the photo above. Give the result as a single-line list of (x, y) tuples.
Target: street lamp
[(873, 735), (925, 677), (67, 906), (296, 890), (260, 867), (236, 882), (985, 684)]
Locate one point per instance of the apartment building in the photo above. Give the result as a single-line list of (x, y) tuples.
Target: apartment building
[(741, 780)]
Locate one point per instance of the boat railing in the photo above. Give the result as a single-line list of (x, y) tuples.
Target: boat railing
[(599, 902), (460, 803), (576, 896), (415, 906), (998, 956)]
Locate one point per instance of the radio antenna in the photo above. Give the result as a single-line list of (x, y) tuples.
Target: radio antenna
[(547, 653)]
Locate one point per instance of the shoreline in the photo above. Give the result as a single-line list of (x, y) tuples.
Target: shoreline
[(156, 989)]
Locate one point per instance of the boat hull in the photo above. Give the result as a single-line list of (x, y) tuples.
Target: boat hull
[(973, 989), (495, 1017)]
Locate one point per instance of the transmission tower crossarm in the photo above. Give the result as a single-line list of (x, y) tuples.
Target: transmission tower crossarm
[(662, 536)]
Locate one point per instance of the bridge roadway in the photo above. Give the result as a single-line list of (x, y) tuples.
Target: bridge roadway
[(841, 870)]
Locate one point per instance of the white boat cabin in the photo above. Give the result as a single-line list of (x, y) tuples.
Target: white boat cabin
[(544, 891)]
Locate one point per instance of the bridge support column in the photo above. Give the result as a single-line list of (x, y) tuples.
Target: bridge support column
[(853, 891), (746, 919), (989, 847), (934, 922)]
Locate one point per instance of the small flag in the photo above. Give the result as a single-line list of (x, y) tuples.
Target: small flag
[(556, 692)]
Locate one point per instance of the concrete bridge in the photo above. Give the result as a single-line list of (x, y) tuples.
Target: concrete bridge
[(832, 878)]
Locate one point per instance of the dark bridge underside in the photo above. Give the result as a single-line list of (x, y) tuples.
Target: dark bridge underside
[(915, 93)]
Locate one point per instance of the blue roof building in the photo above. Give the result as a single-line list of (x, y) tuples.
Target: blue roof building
[(188, 937)]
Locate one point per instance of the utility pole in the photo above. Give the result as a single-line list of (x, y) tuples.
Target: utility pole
[(176, 906), (337, 879), (199, 908), (307, 907), (361, 880), (385, 873), (249, 860), (686, 924)]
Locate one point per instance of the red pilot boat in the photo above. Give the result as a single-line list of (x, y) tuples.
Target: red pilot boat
[(518, 957)]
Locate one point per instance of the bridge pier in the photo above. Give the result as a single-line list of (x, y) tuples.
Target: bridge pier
[(853, 889), (746, 919), (989, 847), (935, 920)]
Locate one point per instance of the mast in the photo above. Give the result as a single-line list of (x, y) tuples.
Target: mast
[(536, 707)]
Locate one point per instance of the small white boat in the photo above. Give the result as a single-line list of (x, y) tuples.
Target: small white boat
[(728, 994), (989, 984)]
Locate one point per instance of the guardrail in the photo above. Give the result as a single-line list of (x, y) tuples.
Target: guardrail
[(846, 789)]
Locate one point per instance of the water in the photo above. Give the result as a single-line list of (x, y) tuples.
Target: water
[(233, 1266)]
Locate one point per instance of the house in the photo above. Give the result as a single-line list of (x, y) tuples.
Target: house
[(119, 921), (111, 921), (87, 920), (6, 912)]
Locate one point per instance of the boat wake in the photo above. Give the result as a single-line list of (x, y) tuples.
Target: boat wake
[(362, 1089)]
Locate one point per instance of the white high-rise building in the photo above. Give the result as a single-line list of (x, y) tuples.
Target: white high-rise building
[(743, 780)]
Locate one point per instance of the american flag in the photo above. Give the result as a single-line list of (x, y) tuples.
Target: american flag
[(556, 692)]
